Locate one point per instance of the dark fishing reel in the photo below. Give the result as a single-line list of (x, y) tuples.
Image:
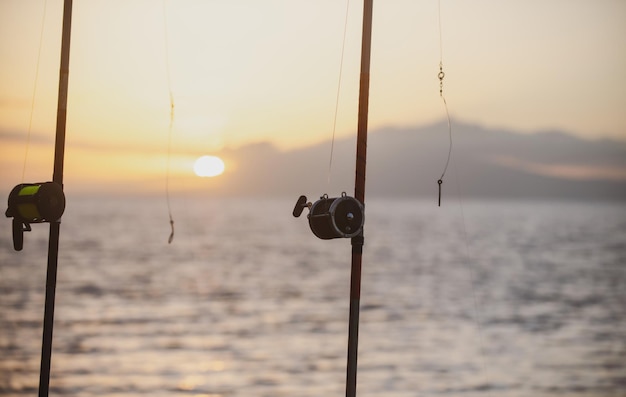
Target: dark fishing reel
[(34, 203), (333, 217)]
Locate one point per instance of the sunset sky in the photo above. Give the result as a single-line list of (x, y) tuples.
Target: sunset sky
[(248, 71)]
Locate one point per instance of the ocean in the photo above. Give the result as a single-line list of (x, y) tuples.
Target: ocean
[(511, 299)]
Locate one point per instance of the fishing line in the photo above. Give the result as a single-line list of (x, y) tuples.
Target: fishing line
[(440, 76), (475, 303), (32, 103), (167, 174), (473, 278), (171, 125), (343, 47)]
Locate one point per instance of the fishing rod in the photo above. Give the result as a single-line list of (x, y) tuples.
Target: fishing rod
[(57, 177), (344, 216), (359, 194), (45, 202)]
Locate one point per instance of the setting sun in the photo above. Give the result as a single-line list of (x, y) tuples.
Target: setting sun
[(208, 166)]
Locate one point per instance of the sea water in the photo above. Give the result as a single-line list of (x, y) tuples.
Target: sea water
[(470, 299)]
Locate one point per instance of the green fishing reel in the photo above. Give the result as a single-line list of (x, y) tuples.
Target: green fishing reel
[(333, 217), (33, 203)]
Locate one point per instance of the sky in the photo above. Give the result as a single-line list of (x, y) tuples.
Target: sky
[(249, 71)]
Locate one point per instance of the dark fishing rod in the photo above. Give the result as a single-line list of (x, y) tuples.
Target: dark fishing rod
[(359, 194), (344, 217), (55, 226)]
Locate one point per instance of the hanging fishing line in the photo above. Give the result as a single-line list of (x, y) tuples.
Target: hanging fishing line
[(343, 47), (473, 279), (167, 174), (467, 259), (441, 76), (32, 103), (171, 125)]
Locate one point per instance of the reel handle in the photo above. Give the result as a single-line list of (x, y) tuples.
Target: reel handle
[(301, 204), (19, 227)]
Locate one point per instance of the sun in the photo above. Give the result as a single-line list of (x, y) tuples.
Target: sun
[(208, 166)]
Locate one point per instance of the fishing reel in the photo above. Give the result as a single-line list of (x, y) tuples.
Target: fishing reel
[(333, 217), (34, 203)]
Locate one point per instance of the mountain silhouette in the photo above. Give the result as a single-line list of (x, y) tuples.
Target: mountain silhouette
[(407, 162)]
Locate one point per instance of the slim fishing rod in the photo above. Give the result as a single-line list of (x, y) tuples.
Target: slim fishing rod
[(344, 216), (45, 202), (359, 194), (55, 226)]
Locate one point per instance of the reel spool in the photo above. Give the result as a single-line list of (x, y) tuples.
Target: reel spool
[(33, 203), (336, 217)]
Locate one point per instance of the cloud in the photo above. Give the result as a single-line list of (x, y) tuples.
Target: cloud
[(564, 170), (21, 137)]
